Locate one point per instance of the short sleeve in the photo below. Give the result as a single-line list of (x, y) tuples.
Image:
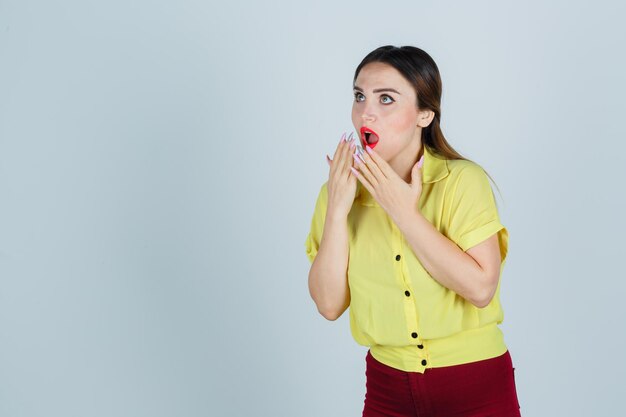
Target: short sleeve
[(314, 237), (473, 212)]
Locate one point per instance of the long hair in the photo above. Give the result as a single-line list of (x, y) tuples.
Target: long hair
[(422, 72)]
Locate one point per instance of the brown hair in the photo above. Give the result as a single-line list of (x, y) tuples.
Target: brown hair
[(421, 71)]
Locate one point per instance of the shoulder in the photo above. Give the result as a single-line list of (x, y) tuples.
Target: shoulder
[(463, 171), (458, 167), (467, 180)]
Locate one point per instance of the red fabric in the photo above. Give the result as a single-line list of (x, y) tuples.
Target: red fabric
[(477, 389)]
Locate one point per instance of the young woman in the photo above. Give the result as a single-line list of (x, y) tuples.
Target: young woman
[(407, 234)]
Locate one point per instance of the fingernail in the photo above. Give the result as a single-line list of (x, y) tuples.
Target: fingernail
[(350, 137), (343, 137), (367, 147), (353, 145), (420, 162), (354, 170), (358, 158)]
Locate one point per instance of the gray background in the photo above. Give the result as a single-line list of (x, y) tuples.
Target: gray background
[(159, 164)]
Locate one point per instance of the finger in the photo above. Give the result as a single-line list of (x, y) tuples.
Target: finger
[(416, 173), (329, 161), (339, 146), (346, 162), (377, 165), (365, 171), (337, 161), (359, 176), (382, 164), (351, 176), (351, 148)]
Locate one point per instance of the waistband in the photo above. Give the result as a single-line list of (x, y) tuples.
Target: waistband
[(462, 347)]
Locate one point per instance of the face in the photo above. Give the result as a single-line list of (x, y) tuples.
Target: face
[(385, 103)]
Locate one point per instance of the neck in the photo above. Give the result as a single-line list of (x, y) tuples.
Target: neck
[(404, 161)]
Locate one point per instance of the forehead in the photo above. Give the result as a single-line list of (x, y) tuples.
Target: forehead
[(381, 75)]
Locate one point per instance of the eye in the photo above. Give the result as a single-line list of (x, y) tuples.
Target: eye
[(386, 96), (356, 96)]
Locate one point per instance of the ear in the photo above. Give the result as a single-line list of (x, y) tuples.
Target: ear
[(424, 117)]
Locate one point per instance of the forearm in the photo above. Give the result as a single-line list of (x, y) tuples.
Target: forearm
[(328, 282), (443, 259)]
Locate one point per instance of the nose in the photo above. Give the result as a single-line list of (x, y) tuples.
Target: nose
[(367, 112), (367, 117)]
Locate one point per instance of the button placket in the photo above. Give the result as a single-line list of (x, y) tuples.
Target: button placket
[(423, 355), (409, 304)]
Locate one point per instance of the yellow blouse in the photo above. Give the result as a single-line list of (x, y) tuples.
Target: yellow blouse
[(409, 320)]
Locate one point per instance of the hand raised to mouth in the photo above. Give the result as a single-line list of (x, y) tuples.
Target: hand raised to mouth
[(341, 183), (393, 194)]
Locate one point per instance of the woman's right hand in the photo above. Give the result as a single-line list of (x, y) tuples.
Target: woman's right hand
[(341, 180)]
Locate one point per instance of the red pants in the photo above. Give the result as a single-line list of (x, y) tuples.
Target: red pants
[(477, 389)]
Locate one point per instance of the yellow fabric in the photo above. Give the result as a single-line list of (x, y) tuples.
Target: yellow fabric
[(458, 200)]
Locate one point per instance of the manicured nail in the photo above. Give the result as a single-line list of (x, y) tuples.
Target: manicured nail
[(356, 159), (350, 137), (420, 162), (353, 145), (367, 147), (354, 171), (343, 137)]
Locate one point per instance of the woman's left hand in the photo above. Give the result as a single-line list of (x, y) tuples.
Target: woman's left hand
[(391, 192)]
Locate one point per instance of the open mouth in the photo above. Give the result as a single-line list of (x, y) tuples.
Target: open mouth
[(369, 137)]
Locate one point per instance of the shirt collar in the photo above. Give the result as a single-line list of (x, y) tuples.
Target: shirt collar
[(434, 169)]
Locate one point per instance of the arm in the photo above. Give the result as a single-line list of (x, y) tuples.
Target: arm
[(328, 278), (469, 261), (473, 274)]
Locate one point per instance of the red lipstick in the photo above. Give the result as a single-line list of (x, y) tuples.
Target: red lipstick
[(368, 137)]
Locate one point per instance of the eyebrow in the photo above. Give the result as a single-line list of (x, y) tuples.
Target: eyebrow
[(378, 90)]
